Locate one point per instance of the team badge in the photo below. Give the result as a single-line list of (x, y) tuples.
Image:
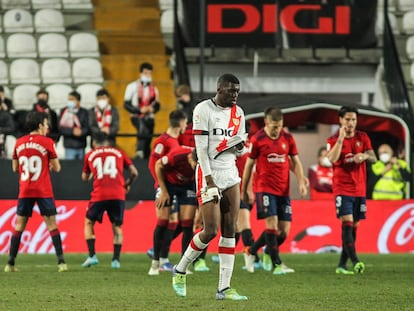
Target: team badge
[(196, 118), (236, 121), (284, 146), (358, 143)]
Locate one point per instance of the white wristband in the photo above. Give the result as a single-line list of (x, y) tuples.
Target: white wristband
[(211, 192)]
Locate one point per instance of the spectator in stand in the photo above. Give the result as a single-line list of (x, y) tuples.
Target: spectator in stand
[(74, 127), (42, 106), (6, 128), (106, 166), (141, 99), (104, 117), (389, 175), (33, 158), (5, 102), (320, 177), (184, 100)]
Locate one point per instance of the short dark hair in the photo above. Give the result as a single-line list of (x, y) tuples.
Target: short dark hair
[(102, 92), (227, 78), (42, 91), (100, 138), (76, 95), (346, 109), (34, 118), (275, 113), (147, 66), (176, 117), (321, 149)]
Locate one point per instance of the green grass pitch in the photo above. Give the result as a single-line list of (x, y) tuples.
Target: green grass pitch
[(387, 284)]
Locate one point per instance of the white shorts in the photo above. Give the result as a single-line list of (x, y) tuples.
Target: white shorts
[(223, 179)]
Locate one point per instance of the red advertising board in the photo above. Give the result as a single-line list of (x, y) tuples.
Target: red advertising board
[(389, 228)]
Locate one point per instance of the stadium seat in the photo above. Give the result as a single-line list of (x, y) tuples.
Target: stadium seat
[(15, 4), (1, 23), (21, 45), (56, 70), (83, 45), (2, 48), (410, 47), (88, 94), (392, 4), (379, 27), (87, 70), (408, 22), (412, 73), (166, 5), (58, 95), (18, 20), (24, 70), (24, 96), (167, 27), (49, 20), (406, 5), (4, 73), (9, 146), (52, 45), (46, 4), (77, 4)]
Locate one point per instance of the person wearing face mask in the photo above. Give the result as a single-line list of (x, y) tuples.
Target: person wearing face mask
[(320, 177), (389, 175), (74, 127), (141, 99), (104, 117), (41, 105)]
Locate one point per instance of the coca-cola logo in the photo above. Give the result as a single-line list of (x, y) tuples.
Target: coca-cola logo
[(36, 238), (397, 233)]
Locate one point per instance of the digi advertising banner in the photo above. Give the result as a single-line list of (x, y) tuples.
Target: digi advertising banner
[(389, 228), (282, 23)]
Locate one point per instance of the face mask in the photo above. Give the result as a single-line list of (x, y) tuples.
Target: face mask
[(325, 162), (385, 157), (102, 103), (145, 79), (71, 104), (42, 103)]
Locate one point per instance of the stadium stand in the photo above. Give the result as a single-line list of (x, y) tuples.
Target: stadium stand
[(88, 94), (408, 22), (2, 48), (46, 4), (58, 95), (87, 70), (56, 70), (12, 4), (21, 45), (410, 48), (24, 70), (77, 4), (167, 27), (18, 20), (52, 45), (4, 73), (24, 96), (83, 45), (49, 20), (406, 5)]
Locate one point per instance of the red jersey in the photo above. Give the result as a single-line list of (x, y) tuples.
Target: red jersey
[(272, 162), (107, 166), (187, 138), (177, 170), (349, 177), (320, 179), (33, 153), (162, 145)]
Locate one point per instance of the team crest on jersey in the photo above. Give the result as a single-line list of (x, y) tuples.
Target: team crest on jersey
[(236, 121), (196, 118), (284, 146), (159, 148), (358, 143)]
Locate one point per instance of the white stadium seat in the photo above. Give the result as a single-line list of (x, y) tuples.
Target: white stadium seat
[(406, 5), (379, 27), (2, 48), (166, 5), (24, 96), (24, 71), (83, 45), (410, 47), (1, 23), (4, 73), (18, 20), (58, 95), (52, 45), (87, 70), (9, 146), (408, 22), (15, 4), (88, 94), (412, 73), (49, 20), (56, 70), (77, 4), (391, 5), (167, 27), (21, 45), (46, 4)]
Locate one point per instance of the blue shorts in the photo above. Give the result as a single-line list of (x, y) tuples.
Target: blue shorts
[(243, 205), (273, 205), (180, 195), (347, 205), (25, 206), (114, 209)]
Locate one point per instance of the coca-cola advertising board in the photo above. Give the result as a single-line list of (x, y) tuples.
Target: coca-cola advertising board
[(389, 228)]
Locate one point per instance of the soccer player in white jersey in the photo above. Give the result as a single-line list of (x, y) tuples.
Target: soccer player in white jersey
[(219, 130)]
